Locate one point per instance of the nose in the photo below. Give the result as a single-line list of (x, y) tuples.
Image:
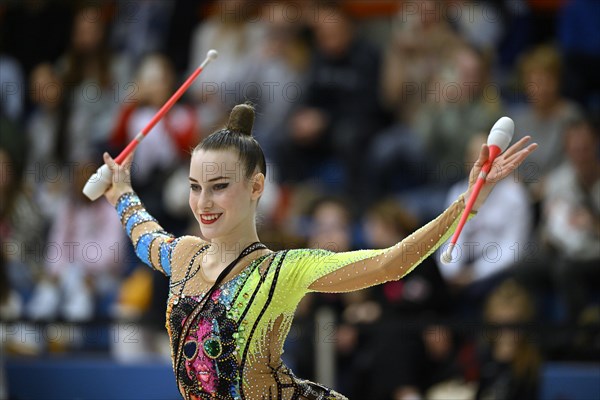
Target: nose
[(204, 201)]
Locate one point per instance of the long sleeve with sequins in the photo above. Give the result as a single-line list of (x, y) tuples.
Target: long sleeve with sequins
[(152, 244), (325, 271)]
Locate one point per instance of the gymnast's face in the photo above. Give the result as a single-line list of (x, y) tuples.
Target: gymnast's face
[(222, 198)]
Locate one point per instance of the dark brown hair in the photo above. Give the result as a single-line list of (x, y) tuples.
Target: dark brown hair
[(237, 135)]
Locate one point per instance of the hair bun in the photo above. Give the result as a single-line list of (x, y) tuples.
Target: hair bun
[(241, 119)]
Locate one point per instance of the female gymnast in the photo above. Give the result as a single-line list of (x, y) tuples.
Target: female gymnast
[(231, 299)]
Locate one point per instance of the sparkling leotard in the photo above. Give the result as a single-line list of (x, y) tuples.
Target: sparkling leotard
[(232, 348)]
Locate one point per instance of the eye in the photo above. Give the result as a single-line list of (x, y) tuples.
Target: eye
[(221, 186), (194, 187)]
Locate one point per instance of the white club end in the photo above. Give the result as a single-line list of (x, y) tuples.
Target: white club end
[(501, 133), (212, 54), (98, 183), (446, 257)]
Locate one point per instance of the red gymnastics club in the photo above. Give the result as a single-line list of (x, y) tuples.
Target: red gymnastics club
[(498, 140), (101, 180)]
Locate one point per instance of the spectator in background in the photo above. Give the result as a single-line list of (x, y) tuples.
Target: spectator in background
[(331, 228), (459, 105), (492, 242), (421, 39), (84, 256), (328, 225), (165, 150), (421, 36), (238, 37), (140, 28), (568, 256), (544, 115), (459, 108), (414, 360), (46, 92), (421, 292), (277, 76), (511, 361), (159, 163), (21, 223), (274, 85), (572, 216), (339, 114), (91, 76), (480, 24), (414, 303)]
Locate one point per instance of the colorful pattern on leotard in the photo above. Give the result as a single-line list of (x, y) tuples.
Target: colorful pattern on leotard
[(232, 349)]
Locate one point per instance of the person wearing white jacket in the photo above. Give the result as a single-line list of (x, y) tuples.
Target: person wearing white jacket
[(494, 241)]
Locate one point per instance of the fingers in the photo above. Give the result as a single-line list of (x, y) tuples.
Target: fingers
[(484, 154), (516, 159), (516, 147), (112, 164), (108, 160), (504, 166), (121, 173)]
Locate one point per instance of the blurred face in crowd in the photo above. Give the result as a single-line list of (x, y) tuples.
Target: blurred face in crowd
[(462, 78), (222, 199), (333, 33), (469, 67), (156, 79), (541, 87), (330, 227), (378, 232), (46, 90), (88, 30), (280, 30), (387, 223)]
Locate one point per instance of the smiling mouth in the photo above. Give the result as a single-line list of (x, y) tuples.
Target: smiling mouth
[(208, 219)]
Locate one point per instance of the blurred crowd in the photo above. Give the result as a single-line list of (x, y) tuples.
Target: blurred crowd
[(370, 115)]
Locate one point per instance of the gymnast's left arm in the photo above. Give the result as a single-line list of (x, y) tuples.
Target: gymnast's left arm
[(325, 271)]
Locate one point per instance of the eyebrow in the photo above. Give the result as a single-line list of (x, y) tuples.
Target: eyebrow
[(210, 180)]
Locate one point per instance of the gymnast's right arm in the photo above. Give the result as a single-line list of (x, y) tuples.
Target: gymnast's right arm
[(152, 244)]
